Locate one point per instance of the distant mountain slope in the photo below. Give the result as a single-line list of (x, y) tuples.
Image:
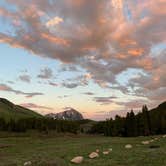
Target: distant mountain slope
[(161, 107), (9, 110), (69, 114), (159, 112), (144, 123)]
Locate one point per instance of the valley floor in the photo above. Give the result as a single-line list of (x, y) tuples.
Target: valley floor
[(15, 151)]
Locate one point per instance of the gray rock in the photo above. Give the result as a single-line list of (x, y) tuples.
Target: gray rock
[(93, 155), (106, 152), (77, 160), (145, 142), (27, 163), (128, 146)]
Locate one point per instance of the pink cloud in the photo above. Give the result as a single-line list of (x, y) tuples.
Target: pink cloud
[(96, 36)]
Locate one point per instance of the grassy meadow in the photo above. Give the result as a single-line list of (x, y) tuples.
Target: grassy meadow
[(45, 150)]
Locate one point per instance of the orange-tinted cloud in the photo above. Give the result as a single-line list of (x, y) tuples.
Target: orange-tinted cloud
[(54, 39), (55, 21), (95, 35), (136, 52)]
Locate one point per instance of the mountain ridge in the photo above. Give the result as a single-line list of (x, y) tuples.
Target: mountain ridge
[(69, 114), (9, 110)]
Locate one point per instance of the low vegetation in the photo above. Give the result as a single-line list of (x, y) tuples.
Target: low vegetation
[(60, 150)]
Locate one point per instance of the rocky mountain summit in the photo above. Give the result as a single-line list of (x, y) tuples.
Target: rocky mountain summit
[(68, 114)]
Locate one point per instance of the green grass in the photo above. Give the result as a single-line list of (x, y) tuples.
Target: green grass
[(8, 110), (17, 150)]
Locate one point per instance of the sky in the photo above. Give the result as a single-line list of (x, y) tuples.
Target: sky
[(100, 57)]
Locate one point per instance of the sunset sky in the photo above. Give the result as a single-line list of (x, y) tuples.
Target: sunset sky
[(101, 57)]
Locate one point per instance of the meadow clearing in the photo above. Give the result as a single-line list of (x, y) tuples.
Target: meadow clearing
[(59, 150)]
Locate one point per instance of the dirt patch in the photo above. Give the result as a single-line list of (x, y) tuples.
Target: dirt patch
[(55, 162), (5, 146), (154, 146)]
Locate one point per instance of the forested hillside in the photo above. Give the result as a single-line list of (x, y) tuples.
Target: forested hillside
[(144, 123)]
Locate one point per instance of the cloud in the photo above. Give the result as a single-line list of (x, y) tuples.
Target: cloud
[(133, 104), (35, 106), (64, 96), (7, 88), (70, 85), (55, 21), (89, 93), (10, 82), (152, 84), (103, 38), (45, 73), (53, 84), (68, 68), (105, 100), (117, 4), (73, 82), (25, 78)]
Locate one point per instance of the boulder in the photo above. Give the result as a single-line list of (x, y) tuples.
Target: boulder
[(97, 150), (106, 152), (145, 142), (128, 146), (27, 163), (93, 155), (77, 160), (151, 140), (164, 136), (156, 139)]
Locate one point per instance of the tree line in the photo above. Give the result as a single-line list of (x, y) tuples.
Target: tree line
[(144, 123), (40, 124)]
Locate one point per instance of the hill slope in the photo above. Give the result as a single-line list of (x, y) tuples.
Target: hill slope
[(152, 122), (9, 110)]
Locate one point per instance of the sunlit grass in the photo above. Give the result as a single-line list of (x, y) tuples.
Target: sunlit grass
[(62, 149)]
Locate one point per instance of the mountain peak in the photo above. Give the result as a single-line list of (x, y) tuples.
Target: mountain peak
[(68, 114)]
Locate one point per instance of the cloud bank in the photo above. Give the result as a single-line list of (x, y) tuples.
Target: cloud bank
[(105, 38), (7, 88)]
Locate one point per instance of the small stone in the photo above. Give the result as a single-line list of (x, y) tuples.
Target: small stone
[(93, 155), (77, 160), (27, 163), (106, 152), (128, 146), (97, 150), (145, 142), (164, 136), (110, 149), (156, 139), (151, 140)]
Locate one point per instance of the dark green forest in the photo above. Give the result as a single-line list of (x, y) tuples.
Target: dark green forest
[(39, 124), (144, 123)]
